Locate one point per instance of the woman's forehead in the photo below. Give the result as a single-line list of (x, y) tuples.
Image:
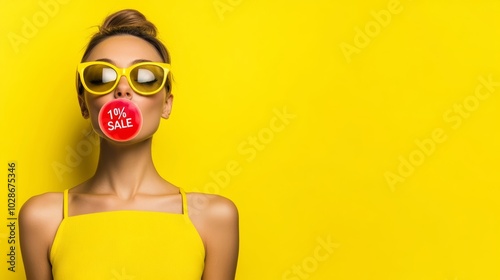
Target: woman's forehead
[(123, 50)]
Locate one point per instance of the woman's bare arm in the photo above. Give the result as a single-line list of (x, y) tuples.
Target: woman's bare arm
[(39, 219), (218, 225)]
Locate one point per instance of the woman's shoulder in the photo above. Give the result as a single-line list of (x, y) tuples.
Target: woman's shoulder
[(43, 207), (216, 219), (213, 215), (211, 206), (39, 219)]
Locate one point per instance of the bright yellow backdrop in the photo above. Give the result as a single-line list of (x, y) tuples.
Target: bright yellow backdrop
[(359, 139)]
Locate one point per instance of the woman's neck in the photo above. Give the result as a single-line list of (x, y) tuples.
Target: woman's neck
[(125, 169)]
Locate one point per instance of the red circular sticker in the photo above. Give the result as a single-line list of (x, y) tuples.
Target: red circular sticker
[(120, 120)]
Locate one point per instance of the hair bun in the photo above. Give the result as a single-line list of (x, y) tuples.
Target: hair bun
[(126, 20)]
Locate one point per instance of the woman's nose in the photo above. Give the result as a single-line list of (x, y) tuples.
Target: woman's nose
[(123, 89)]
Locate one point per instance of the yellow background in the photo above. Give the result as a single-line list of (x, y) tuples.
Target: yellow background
[(354, 118)]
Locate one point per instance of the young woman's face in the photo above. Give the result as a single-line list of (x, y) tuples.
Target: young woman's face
[(123, 51)]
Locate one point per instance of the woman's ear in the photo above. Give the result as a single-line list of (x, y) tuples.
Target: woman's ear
[(83, 106), (167, 106)]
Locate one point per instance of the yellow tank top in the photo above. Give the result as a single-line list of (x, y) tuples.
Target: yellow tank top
[(127, 244)]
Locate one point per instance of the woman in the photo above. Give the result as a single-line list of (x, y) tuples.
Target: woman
[(127, 222)]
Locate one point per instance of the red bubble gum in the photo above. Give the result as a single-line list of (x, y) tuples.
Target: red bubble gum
[(120, 120)]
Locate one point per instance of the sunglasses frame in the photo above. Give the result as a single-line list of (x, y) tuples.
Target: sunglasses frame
[(122, 72)]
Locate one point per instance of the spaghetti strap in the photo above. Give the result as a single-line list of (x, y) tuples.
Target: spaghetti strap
[(184, 201), (65, 203)]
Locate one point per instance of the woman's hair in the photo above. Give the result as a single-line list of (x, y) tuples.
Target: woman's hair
[(127, 22)]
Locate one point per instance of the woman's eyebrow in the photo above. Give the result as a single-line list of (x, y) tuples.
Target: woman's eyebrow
[(140, 60), (133, 62), (105, 60)]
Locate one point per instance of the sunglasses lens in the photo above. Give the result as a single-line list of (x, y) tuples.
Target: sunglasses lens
[(99, 78), (147, 78)]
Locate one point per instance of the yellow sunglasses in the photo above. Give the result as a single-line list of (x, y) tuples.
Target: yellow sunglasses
[(145, 78)]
